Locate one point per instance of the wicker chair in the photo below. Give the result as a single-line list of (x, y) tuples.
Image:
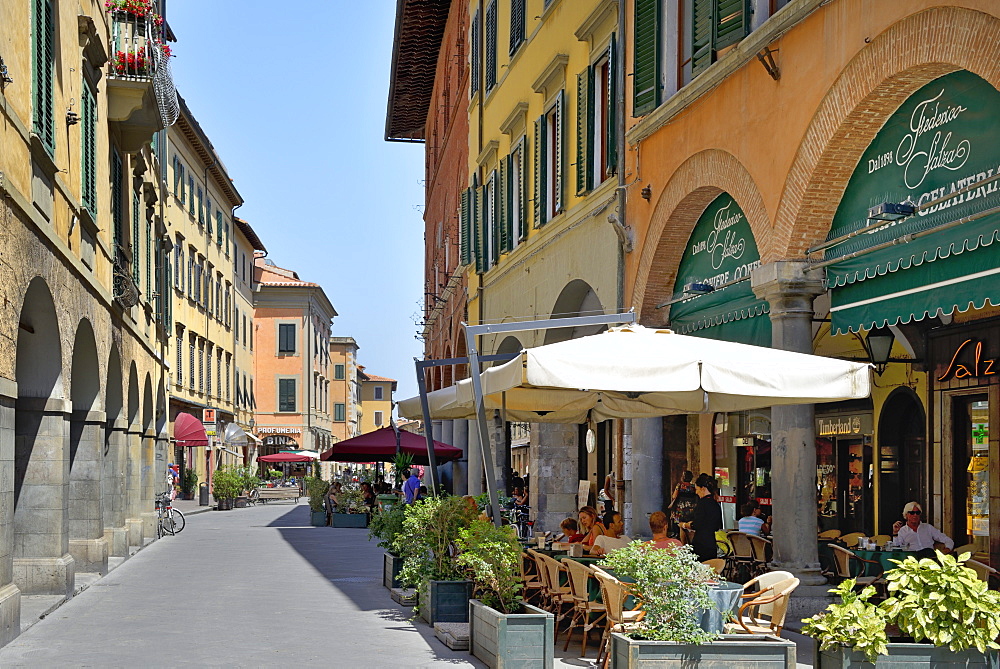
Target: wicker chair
[(829, 534), (718, 565), (851, 540), (586, 614), (739, 562), (983, 571), (533, 588), (560, 596), (617, 617), (842, 568), (761, 551), (543, 577), (765, 612)]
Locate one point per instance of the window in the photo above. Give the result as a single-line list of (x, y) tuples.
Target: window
[(190, 273), (339, 372), (179, 345), (489, 229), (490, 65), (339, 412), (176, 162), (218, 228), (244, 339), (88, 149), (208, 368), (229, 362), (197, 291), (516, 24), (378, 390), (286, 394), (218, 375), (517, 214), (548, 163), (179, 262), (209, 279), (378, 419), (251, 333), (474, 64), (136, 246), (201, 365), (191, 362), (191, 201), (43, 64), (286, 338), (595, 108), (225, 228), (208, 218), (117, 207), (201, 206)]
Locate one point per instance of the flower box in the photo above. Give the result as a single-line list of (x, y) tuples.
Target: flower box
[(317, 518), (511, 639), (391, 566), (349, 520), (731, 650), (445, 601), (906, 655)]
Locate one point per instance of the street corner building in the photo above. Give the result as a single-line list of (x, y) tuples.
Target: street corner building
[(807, 175)]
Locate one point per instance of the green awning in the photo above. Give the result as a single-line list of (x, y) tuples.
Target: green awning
[(732, 314)]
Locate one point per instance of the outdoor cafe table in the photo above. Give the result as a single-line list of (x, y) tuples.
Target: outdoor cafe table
[(882, 557)]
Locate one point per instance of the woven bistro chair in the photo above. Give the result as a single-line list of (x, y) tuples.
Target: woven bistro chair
[(739, 562), (829, 534), (717, 565), (532, 580), (983, 571), (560, 596), (851, 540), (842, 569), (543, 577), (761, 550), (755, 586), (586, 614), (765, 612), (617, 617), (967, 548), (881, 540)]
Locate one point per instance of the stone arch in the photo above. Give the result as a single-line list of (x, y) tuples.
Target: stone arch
[(872, 86), (448, 371), (461, 351), (160, 414), (577, 298), (147, 404), (40, 540), (148, 450), (510, 344), (692, 187)]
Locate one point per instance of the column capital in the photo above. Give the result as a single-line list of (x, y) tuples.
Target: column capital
[(787, 287)]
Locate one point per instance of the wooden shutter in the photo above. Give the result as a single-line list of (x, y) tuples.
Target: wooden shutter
[(646, 65), (117, 206), (540, 183), (191, 192), (183, 182), (702, 28), (474, 55), (491, 47), (557, 159), (516, 24), (584, 129), (218, 228), (135, 237), (478, 228), (43, 48), (732, 20), (177, 175), (611, 127), (522, 203), (494, 204), (503, 218), (465, 229)]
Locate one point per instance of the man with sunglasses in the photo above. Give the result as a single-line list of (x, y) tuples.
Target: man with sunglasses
[(919, 537)]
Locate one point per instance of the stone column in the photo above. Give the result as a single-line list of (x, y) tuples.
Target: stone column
[(460, 468), (133, 486), (42, 563), (87, 543), (150, 485), (647, 472), (113, 488), (555, 478), (790, 292), (10, 594), (474, 459)]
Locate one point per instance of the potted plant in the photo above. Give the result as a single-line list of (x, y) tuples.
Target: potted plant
[(189, 483), (247, 481), (503, 629), (427, 546), (386, 524), (951, 617), (317, 488), (674, 589), (225, 487), (351, 511), (400, 464)]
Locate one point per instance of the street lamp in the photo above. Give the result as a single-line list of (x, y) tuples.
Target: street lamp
[(878, 344)]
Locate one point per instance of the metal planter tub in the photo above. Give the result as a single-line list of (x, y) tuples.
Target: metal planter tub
[(350, 520), (445, 601), (511, 639), (730, 650), (391, 566), (906, 655), (317, 518)]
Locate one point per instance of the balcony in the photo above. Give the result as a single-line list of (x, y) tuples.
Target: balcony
[(141, 95), (125, 292)]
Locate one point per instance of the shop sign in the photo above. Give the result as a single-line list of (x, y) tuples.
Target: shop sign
[(208, 419), (727, 499), (970, 359), (764, 501), (843, 426), (278, 430)]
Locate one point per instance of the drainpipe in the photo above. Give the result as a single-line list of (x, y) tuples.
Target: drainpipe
[(619, 75)]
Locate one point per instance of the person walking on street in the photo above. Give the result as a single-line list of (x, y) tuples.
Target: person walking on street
[(411, 489), (707, 519)]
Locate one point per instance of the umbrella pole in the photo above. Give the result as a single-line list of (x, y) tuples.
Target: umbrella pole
[(428, 433), (484, 433)]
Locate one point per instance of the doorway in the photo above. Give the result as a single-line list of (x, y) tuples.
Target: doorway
[(902, 454), (971, 449)]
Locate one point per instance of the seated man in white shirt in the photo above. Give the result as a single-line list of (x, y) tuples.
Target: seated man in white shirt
[(614, 538), (919, 537)]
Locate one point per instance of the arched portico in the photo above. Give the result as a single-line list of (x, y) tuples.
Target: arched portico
[(115, 457), (577, 298), (133, 462)]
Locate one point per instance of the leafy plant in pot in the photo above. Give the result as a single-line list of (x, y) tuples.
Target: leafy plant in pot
[(351, 510), (427, 546), (503, 629), (226, 486), (317, 488), (189, 483), (400, 464), (385, 524), (940, 603)]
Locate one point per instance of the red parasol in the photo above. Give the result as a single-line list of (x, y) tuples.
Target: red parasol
[(285, 457), (380, 446)]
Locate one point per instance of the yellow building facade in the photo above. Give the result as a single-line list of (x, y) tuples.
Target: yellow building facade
[(376, 400), (345, 388)]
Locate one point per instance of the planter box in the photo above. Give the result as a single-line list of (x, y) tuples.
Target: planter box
[(730, 650), (350, 520), (907, 655), (445, 601), (505, 640), (317, 518), (224, 505), (391, 566), (242, 502)]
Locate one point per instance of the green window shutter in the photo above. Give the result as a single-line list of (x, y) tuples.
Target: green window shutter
[(479, 232), (183, 182), (149, 261), (135, 238), (732, 22), (494, 204), (465, 223), (505, 218), (516, 25), (191, 192), (201, 206), (646, 65), (702, 27), (522, 200), (540, 208), (177, 175), (491, 47), (611, 129), (474, 56), (584, 128), (43, 57), (88, 149), (208, 217), (117, 209), (557, 159), (218, 227)]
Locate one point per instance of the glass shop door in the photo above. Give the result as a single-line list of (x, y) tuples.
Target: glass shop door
[(971, 422)]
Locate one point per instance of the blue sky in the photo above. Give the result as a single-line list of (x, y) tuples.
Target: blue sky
[(293, 98)]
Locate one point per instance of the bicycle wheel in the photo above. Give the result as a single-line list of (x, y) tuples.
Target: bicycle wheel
[(176, 521), (164, 526)]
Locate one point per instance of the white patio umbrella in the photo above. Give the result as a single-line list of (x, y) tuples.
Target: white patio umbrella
[(636, 372)]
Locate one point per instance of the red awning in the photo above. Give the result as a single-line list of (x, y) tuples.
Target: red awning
[(285, 457), (188, 431), (380, 446)]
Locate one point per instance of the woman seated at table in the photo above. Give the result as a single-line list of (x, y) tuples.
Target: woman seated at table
[(614, 538), (919, 537), (590, 526), (570, 531), (658, 526)]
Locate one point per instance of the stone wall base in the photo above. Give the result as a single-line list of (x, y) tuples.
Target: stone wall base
[(91, 555), (45, 576), (133, 527), (149, 521), (805, 602), (10, 613), (117, 540)]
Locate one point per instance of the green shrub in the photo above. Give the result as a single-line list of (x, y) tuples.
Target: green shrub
[(316, 488), (226, 483), (386, 524), (854, 622), (427, 540), (492, 556)]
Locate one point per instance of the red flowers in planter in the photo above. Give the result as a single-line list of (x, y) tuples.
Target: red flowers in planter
[(130, 62)]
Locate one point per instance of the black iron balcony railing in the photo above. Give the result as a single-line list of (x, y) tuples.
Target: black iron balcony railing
[(125, 292), (140, 55)]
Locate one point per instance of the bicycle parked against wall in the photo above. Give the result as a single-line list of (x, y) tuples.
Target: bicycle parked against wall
[(517, 515), (168, 519)]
